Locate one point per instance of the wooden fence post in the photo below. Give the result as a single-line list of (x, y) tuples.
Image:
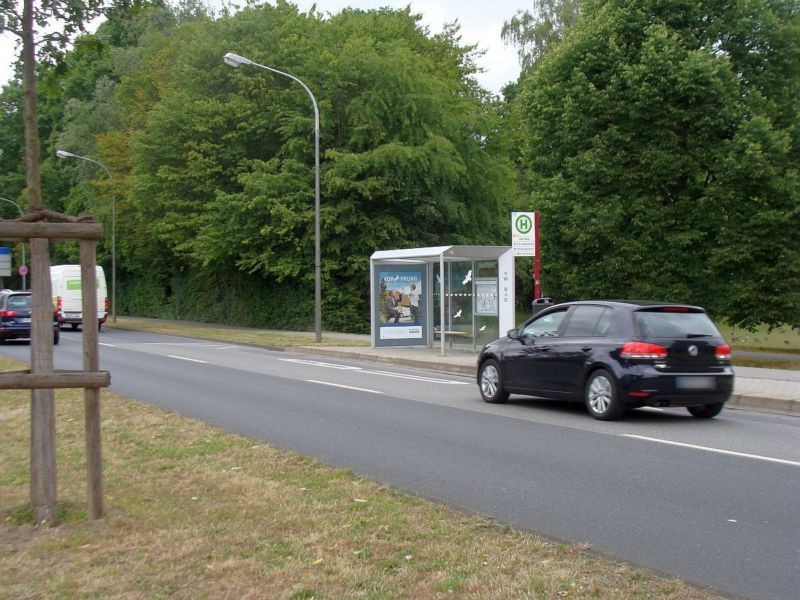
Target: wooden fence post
[(91, 396), (43, 423)]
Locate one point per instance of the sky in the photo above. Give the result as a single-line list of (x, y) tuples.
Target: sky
[(481, 22)]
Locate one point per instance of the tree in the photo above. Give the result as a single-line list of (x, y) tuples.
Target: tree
[(534, 31), (22, 21), (661, 145)]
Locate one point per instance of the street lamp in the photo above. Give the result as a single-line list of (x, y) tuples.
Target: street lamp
[(65, 154), (24, 275), (234, 60)]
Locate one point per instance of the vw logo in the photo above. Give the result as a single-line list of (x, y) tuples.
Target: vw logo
[(693, 351)]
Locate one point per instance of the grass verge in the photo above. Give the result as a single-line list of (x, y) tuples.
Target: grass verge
[(239, 335), (194, 512)]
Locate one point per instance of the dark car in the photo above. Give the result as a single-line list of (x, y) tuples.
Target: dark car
[(15, 316), (614, 356)]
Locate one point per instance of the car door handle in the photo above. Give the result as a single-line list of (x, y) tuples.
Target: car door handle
[(586, 348)]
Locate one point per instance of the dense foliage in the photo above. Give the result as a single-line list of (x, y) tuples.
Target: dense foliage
[(661, 141), (658, 139)]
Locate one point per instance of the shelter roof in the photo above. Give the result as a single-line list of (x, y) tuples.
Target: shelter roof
[(433, 254)]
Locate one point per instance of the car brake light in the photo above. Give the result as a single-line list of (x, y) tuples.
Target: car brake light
[(58, 303), (643, 350), (675, 309), (8, 313), (105, 304), (723, 352)]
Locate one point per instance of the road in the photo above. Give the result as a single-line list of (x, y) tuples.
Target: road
[(713, 502)]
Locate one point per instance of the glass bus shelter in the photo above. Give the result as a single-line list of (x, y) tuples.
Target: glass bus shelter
[(451, 297)]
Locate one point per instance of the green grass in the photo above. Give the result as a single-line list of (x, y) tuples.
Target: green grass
[(195, 512)]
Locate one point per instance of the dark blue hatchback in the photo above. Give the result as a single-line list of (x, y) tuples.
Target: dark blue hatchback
[(15, 316), (614, 356)]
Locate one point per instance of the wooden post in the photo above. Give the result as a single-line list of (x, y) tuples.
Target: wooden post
[(91, 363), (43, 424)]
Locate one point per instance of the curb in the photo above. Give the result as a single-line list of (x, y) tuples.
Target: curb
[(775, 406), (468, 370)]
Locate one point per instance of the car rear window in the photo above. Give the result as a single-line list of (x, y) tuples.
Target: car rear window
[(21, 301), (674, 323)]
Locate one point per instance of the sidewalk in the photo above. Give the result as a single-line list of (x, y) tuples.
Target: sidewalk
[(761, 390)]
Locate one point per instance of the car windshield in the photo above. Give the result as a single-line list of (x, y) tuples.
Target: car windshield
[(670, 323), (21, 301)]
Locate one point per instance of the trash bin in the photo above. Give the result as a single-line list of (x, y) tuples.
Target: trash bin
[(539, 304)]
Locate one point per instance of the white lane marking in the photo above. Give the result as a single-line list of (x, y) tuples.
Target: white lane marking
[(107, 345), (203, 362), (652, 409), (175, 344), (416, 377), (717, 450), (227, 347), (347, 387), (316, 363)]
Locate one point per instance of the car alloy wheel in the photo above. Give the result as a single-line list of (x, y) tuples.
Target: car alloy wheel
[(601, 396), (491, 383)]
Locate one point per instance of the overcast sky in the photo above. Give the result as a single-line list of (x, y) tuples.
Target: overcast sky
[(480, 20)]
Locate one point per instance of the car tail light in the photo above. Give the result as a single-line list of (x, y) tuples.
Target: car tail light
[(105, 305), (59, 305), (643, 350), (723, 352), (8, 313)]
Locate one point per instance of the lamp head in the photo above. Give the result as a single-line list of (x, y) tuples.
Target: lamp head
[(64, 154), (234, 60)]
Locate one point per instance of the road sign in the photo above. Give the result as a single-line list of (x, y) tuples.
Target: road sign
[(23, 270), (5, 262), (523, 233)]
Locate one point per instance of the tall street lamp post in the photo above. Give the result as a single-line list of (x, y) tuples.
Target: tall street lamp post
[(234, 60), (24, 273), (65, 154)]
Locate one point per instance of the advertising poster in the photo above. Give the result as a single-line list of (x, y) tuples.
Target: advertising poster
[(401, 304)]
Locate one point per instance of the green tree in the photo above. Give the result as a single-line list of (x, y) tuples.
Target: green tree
[(534, 31), (661, 145), (222, 160)]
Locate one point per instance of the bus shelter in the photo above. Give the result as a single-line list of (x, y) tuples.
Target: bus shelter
[(456, 297)]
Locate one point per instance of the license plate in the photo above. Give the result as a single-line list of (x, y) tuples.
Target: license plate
[(696, 383), (24, 320), (72, 315)]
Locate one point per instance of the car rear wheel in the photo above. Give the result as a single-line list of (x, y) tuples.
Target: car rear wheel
[(602, 399), (491, 383), (709, 411)]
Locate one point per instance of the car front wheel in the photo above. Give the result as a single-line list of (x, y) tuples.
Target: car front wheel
[(709, 411), (602, 399), (491, 383)]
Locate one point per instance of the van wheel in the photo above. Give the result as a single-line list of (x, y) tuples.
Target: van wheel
[(99, 326), (56, 336), (74, 326)]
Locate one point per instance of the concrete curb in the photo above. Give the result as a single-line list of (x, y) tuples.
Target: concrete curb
[(450, 369), (776, 406)]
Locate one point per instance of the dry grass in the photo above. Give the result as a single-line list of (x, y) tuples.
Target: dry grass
[(239, 335), (782, 339), (194, 512)]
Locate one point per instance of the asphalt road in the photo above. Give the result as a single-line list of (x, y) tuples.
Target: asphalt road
[(713, 502)]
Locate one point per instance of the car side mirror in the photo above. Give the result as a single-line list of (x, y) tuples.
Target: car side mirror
[(513, 334)]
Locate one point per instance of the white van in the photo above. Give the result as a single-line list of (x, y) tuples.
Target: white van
[(67, 299)]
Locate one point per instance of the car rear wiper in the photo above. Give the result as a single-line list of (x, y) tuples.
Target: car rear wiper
[(697, 335)]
